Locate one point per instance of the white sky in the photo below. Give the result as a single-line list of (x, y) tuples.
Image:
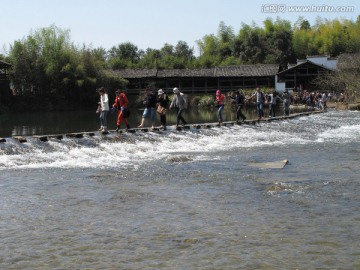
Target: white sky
[(149, 23)]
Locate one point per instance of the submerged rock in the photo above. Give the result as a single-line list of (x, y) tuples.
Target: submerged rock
[(180, 159)]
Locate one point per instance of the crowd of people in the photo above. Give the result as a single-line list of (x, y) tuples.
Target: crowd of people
[(312, 99), (153, 105), (160, 103)]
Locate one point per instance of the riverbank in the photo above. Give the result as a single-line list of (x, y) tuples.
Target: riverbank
[(344, 106)]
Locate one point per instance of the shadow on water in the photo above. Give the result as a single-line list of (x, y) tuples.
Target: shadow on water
[(41, 123)]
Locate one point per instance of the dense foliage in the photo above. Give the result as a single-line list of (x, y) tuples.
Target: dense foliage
[(46, 62)]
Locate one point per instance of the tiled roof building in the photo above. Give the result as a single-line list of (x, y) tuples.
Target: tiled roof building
[(201, 80)]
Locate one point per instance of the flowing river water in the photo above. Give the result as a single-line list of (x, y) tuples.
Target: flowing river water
[(189, 199)]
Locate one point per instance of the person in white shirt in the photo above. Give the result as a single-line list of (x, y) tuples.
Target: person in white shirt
[(272, 103), (104, 105), (260, 100)]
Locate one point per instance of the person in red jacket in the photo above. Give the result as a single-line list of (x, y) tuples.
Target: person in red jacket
[(121, 103), (220, 99)]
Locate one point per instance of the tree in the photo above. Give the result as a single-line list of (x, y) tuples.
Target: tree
[(250, 44), (167, 50), (125, 55), (209, 51), (302, 24), (24, 58), (151, 59), (226, 40), (278, 38), (47, 63)]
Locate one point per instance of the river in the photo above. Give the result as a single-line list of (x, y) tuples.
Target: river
[(189, 199)]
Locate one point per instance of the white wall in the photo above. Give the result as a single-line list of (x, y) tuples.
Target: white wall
[(324, 61), (279, 86)]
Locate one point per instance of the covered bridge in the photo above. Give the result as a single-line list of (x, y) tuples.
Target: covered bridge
[(200, 80)]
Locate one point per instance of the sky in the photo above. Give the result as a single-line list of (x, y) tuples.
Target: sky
[(153, 23)]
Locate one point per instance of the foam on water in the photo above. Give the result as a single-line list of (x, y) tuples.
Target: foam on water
[(341, 134), (131, 150)]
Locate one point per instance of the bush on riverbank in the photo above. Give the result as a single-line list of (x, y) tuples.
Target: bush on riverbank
[(344, 106)]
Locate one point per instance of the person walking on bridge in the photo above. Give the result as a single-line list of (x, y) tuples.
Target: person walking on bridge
[(286, 100), (260, 100), (104, 108), (239, 100), (150, 108), (121, 104), (272, 103), (179, 102), (163, 102), (220, 99)]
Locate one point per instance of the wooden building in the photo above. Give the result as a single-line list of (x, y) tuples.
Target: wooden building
[(200, 80), (301, 76)]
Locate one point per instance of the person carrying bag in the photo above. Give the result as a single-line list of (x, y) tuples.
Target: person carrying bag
[(163, 102)]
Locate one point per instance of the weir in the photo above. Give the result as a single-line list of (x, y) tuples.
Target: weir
[(78, 135)]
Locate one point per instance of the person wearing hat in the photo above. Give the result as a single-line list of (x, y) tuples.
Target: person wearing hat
[(150, 108), (179, 102), (163, 102)]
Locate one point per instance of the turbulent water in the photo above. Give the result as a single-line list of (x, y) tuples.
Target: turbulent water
[(187, 199)]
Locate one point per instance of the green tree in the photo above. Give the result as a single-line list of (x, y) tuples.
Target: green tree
[(226, 40), (302, 24), (47, 63), (250, 45), (209, 51), (353, 35), (24, 56), (278, 39), (125, 55), (301, 42), (151, 59)]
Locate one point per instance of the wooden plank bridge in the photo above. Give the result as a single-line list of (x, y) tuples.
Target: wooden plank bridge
[(45, 138)]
